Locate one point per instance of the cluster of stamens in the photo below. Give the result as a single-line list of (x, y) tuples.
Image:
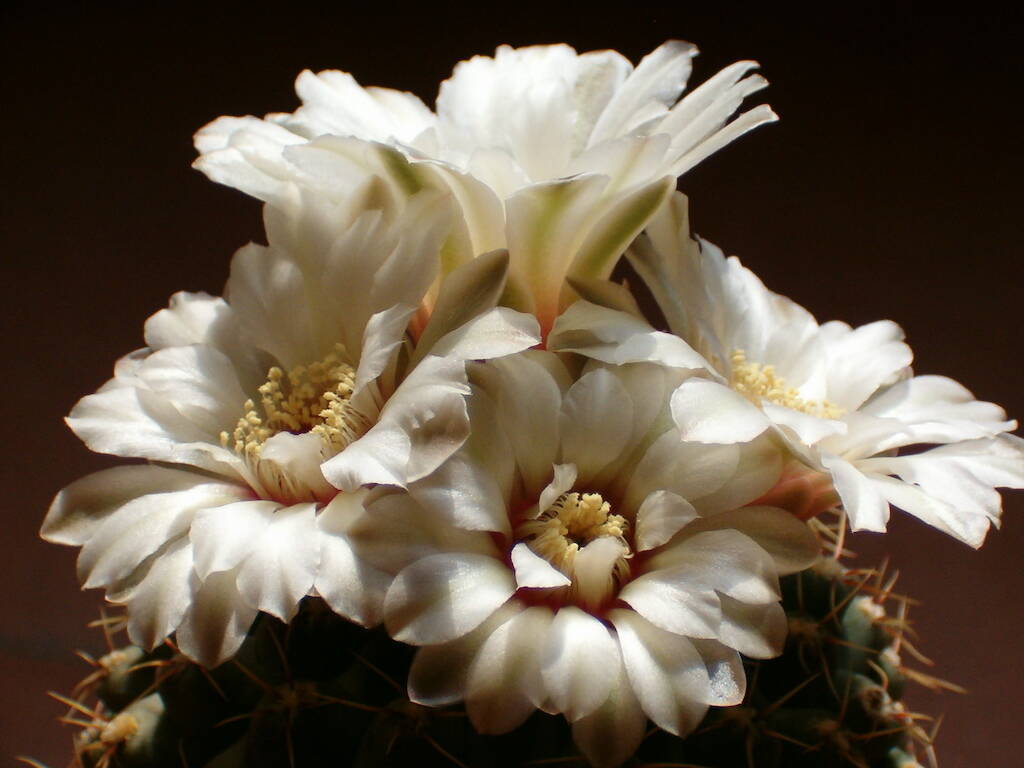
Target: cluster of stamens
[(566, 528), (308, 398), (758, 382)]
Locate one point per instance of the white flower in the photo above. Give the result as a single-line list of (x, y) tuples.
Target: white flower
[(844, 399), (557, 156), (315, 374), (577, 556)]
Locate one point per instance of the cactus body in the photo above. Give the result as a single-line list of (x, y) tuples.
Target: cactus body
[(324, 692)]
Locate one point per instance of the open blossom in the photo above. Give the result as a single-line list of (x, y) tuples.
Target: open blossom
[(311, 376), (844, 399), (576, 555), (558, 156)]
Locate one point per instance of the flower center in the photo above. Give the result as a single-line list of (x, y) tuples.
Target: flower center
[(581, 537), (758, 382), (308, 398)]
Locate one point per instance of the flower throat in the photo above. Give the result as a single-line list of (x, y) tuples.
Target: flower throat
[(308, 398), (581, 537), (758, 382)]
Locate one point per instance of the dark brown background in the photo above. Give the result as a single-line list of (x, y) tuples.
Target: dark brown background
[(891, 188)]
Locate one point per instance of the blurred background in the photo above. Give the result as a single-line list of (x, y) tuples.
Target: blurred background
[(891, 188)]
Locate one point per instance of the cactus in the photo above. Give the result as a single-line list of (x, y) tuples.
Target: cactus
[(321, 691), (832, 698)]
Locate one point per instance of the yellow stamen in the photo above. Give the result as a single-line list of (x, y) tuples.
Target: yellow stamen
[(758, 382), (308, 398), (565, 529)]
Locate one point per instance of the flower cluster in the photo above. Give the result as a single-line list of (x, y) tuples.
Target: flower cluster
[(426, 401)]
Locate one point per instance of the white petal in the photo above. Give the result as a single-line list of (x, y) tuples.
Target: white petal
[(660, 255), (611, 733), (650, 388), (534, 571), (529, 398), (961, 478), (939, 410), (666, 672), (970, 526), (126, 369), (631, 161), (862, 360), (336, 170), (757, 631), (547, 224), (270, 296), (133, 422), (196, 318), (439, 673), (606, 293), (396, 531), (381, 456), (690, 609), (199, 382), (333, 102), (596, 422), (495, 333), (661, 516), (504, 684), (473, 488), (691, 470), (621, 219), (296, 459), (656, 82), (79, 510), (746, 122), (562, 480), (790, 542), (282, 565), (466, 292), (246, 153), (996, 463), (757, 470), (479, 205), (463, 493), (580, 663), (223, 536), (384, 333), (385, 258), (599, 75), (442, 597), (866, 507), (705, 108), (189, 319), (422, 424), (158, 604), (617, 337), (216, 623), (723, 560), (496, 169), (803, 427), (351, 586), (407, 269), (472, 105), (707, 412), (141, 526), (727, 682), (594, 570), (865, 436)]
